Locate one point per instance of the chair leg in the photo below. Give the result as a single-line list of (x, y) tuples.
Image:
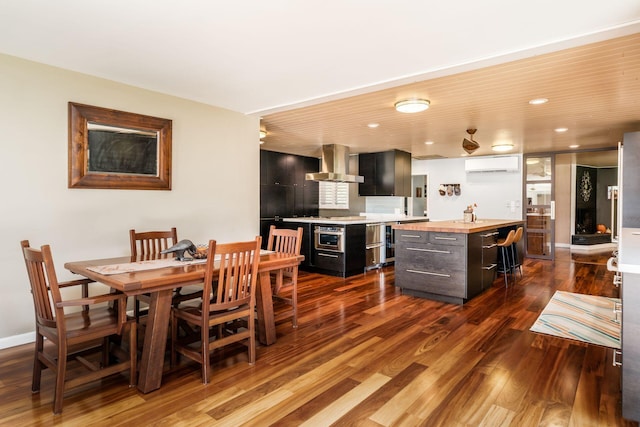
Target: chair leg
[(204, 349), (61, 373), (133, 354), (516, 263), (294, 301), (173, 321), (37, 364), (252, 337), (506, 267)]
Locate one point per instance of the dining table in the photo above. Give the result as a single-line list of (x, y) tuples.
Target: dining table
[(160, 283)]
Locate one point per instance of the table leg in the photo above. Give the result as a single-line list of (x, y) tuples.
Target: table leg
[(264, 303), (155, 341)]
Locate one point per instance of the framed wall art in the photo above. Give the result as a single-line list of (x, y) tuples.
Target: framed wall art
[(118, 150)]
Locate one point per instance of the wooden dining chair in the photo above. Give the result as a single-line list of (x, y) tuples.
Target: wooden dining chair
[(75, 326), (227, 308), (286, 279), (147, 245)]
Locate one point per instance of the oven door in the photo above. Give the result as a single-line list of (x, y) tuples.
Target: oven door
[(330, 240)]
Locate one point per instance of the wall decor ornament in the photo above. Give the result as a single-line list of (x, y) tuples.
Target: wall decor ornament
[(118, 150), (586, 187)]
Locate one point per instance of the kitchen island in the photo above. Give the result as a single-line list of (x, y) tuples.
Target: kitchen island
[(450, 261)]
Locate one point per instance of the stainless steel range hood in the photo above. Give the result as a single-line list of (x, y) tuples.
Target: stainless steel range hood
[(335, 166)]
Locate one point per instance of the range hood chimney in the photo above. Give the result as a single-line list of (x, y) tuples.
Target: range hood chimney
[(335, 166)]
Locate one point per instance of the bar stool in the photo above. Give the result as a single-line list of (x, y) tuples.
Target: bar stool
[(514, 251), (505, 245)]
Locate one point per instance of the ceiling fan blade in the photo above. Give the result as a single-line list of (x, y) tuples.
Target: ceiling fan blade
[(470, 145)]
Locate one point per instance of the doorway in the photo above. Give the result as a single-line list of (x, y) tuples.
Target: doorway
[(539, 190)]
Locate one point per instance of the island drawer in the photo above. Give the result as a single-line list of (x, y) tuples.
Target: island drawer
[(436, 258), (329, 260), (458, 239), (411, 236), (449, 284)]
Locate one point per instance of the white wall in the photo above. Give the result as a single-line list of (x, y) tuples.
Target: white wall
[(215, 185), (497, 194)]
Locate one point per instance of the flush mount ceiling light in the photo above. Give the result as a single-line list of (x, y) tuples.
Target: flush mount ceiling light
[(263, 133), (412, 105), (538, 101), (469, 145), (502, 146), (373, 125)]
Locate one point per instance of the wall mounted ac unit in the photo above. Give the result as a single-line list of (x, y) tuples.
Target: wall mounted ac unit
[(492, 164)]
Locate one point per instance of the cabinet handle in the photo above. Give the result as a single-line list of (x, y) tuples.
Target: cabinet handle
[(414, 236), (436, 251), (616, 353), (327, 255), (495, 233), (617, 309), (490, 246), (429, 273), (617, 280), (490, 267), (445, 238)]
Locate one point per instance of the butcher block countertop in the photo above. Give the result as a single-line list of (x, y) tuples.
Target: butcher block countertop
[(459, 226)]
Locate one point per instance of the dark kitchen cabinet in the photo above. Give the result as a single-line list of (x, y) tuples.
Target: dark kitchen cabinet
[(277, 168), (386, 173), (343, 264), (284, 192), (450, 267)]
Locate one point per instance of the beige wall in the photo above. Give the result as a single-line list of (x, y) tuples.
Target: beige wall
[(215, 178)]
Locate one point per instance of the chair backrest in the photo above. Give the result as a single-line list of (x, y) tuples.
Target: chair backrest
[(237, 274), (285, 240), (518, 235), (42, 277), (509, 240), (150, 243)]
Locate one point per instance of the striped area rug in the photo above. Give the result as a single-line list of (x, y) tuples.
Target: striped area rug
[(580, 317)]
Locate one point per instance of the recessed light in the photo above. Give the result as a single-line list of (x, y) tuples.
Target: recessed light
[(263, 133), (560, 130), (429, 142), (373, 125), (538, 101), (574, 146), (412, 105)]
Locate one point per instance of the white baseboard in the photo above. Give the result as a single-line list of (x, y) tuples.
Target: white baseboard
[(17, 340), (587, 249)]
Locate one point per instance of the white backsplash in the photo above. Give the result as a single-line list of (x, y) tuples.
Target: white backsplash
[(385, 204)]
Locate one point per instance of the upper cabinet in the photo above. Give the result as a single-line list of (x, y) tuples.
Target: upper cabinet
[(385, 174), (284, 191)]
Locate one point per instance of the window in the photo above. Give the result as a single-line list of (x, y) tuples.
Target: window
[(334, 195)]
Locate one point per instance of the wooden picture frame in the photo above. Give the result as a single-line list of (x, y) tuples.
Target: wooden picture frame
[(118, 150)]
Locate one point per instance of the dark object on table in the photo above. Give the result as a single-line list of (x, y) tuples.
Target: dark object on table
[(180, 248)]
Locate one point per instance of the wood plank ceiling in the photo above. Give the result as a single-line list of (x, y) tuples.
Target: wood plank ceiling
[(593, 90)]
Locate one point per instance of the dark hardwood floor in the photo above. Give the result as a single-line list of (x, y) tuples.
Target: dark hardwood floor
[(365, 355)]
